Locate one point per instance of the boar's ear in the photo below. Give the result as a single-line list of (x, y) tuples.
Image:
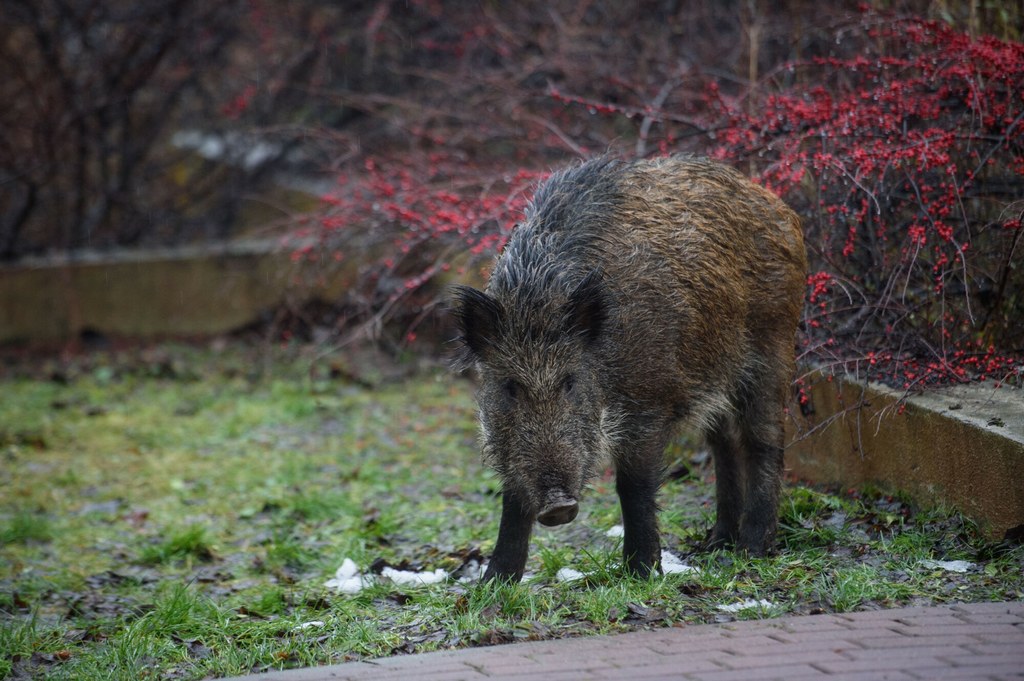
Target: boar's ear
[(477, 316), (587, 307)]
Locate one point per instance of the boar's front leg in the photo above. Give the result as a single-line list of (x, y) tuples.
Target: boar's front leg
[(638, 474), (509, 559)]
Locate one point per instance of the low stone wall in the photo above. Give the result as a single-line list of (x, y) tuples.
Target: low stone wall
[(145, 294), (963, 446)]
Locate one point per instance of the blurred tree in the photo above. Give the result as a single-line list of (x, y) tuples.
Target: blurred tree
[(90, 90)]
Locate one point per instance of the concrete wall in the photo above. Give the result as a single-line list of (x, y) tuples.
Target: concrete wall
[(962, 446), (181, 291)]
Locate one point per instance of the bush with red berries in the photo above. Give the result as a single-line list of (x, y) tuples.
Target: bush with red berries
[(902, 147), (906, 162)]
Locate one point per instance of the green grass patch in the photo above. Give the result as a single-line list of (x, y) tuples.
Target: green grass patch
[(189, 543), (26, 527), (179, 518)]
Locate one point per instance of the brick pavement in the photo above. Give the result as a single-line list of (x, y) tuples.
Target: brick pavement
[(966, 642)]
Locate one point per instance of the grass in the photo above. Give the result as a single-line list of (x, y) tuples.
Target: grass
[(25, 527), (181, 524), (191, 543)]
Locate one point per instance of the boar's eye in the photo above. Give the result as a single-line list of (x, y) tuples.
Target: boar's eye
[(568, 383), (511, 389)]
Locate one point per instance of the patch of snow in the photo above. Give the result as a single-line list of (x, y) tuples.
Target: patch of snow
[(746, 605), (233, 147), (315, 624), (207, 146), (347, 570), (472, 571), (410, 577), (615, 531), (948, 565), (352, 585), (568, 575), (348, 580), (672, 565), (835, 521)]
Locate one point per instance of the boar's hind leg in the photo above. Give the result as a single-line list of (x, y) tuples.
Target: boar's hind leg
[(637, 478), (509, 559), (763, 439), (725, 443), (760, 517)]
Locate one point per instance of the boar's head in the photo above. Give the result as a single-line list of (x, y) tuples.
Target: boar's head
[(543, 415)]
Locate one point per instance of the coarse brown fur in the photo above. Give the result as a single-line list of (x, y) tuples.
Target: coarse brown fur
[(633, 298)]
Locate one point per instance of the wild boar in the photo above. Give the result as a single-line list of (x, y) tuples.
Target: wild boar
[(636, 298)]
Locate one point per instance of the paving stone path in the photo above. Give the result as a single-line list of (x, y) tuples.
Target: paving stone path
[(966, 642)]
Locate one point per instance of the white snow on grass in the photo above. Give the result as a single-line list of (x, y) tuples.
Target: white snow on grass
[(568, 574), (748, 604), (672, 565), (416, 578), (472, 571), (315, 624), (348, 580), (948, 565)]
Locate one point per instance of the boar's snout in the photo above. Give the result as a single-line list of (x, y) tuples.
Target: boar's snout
[(558, 510)]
